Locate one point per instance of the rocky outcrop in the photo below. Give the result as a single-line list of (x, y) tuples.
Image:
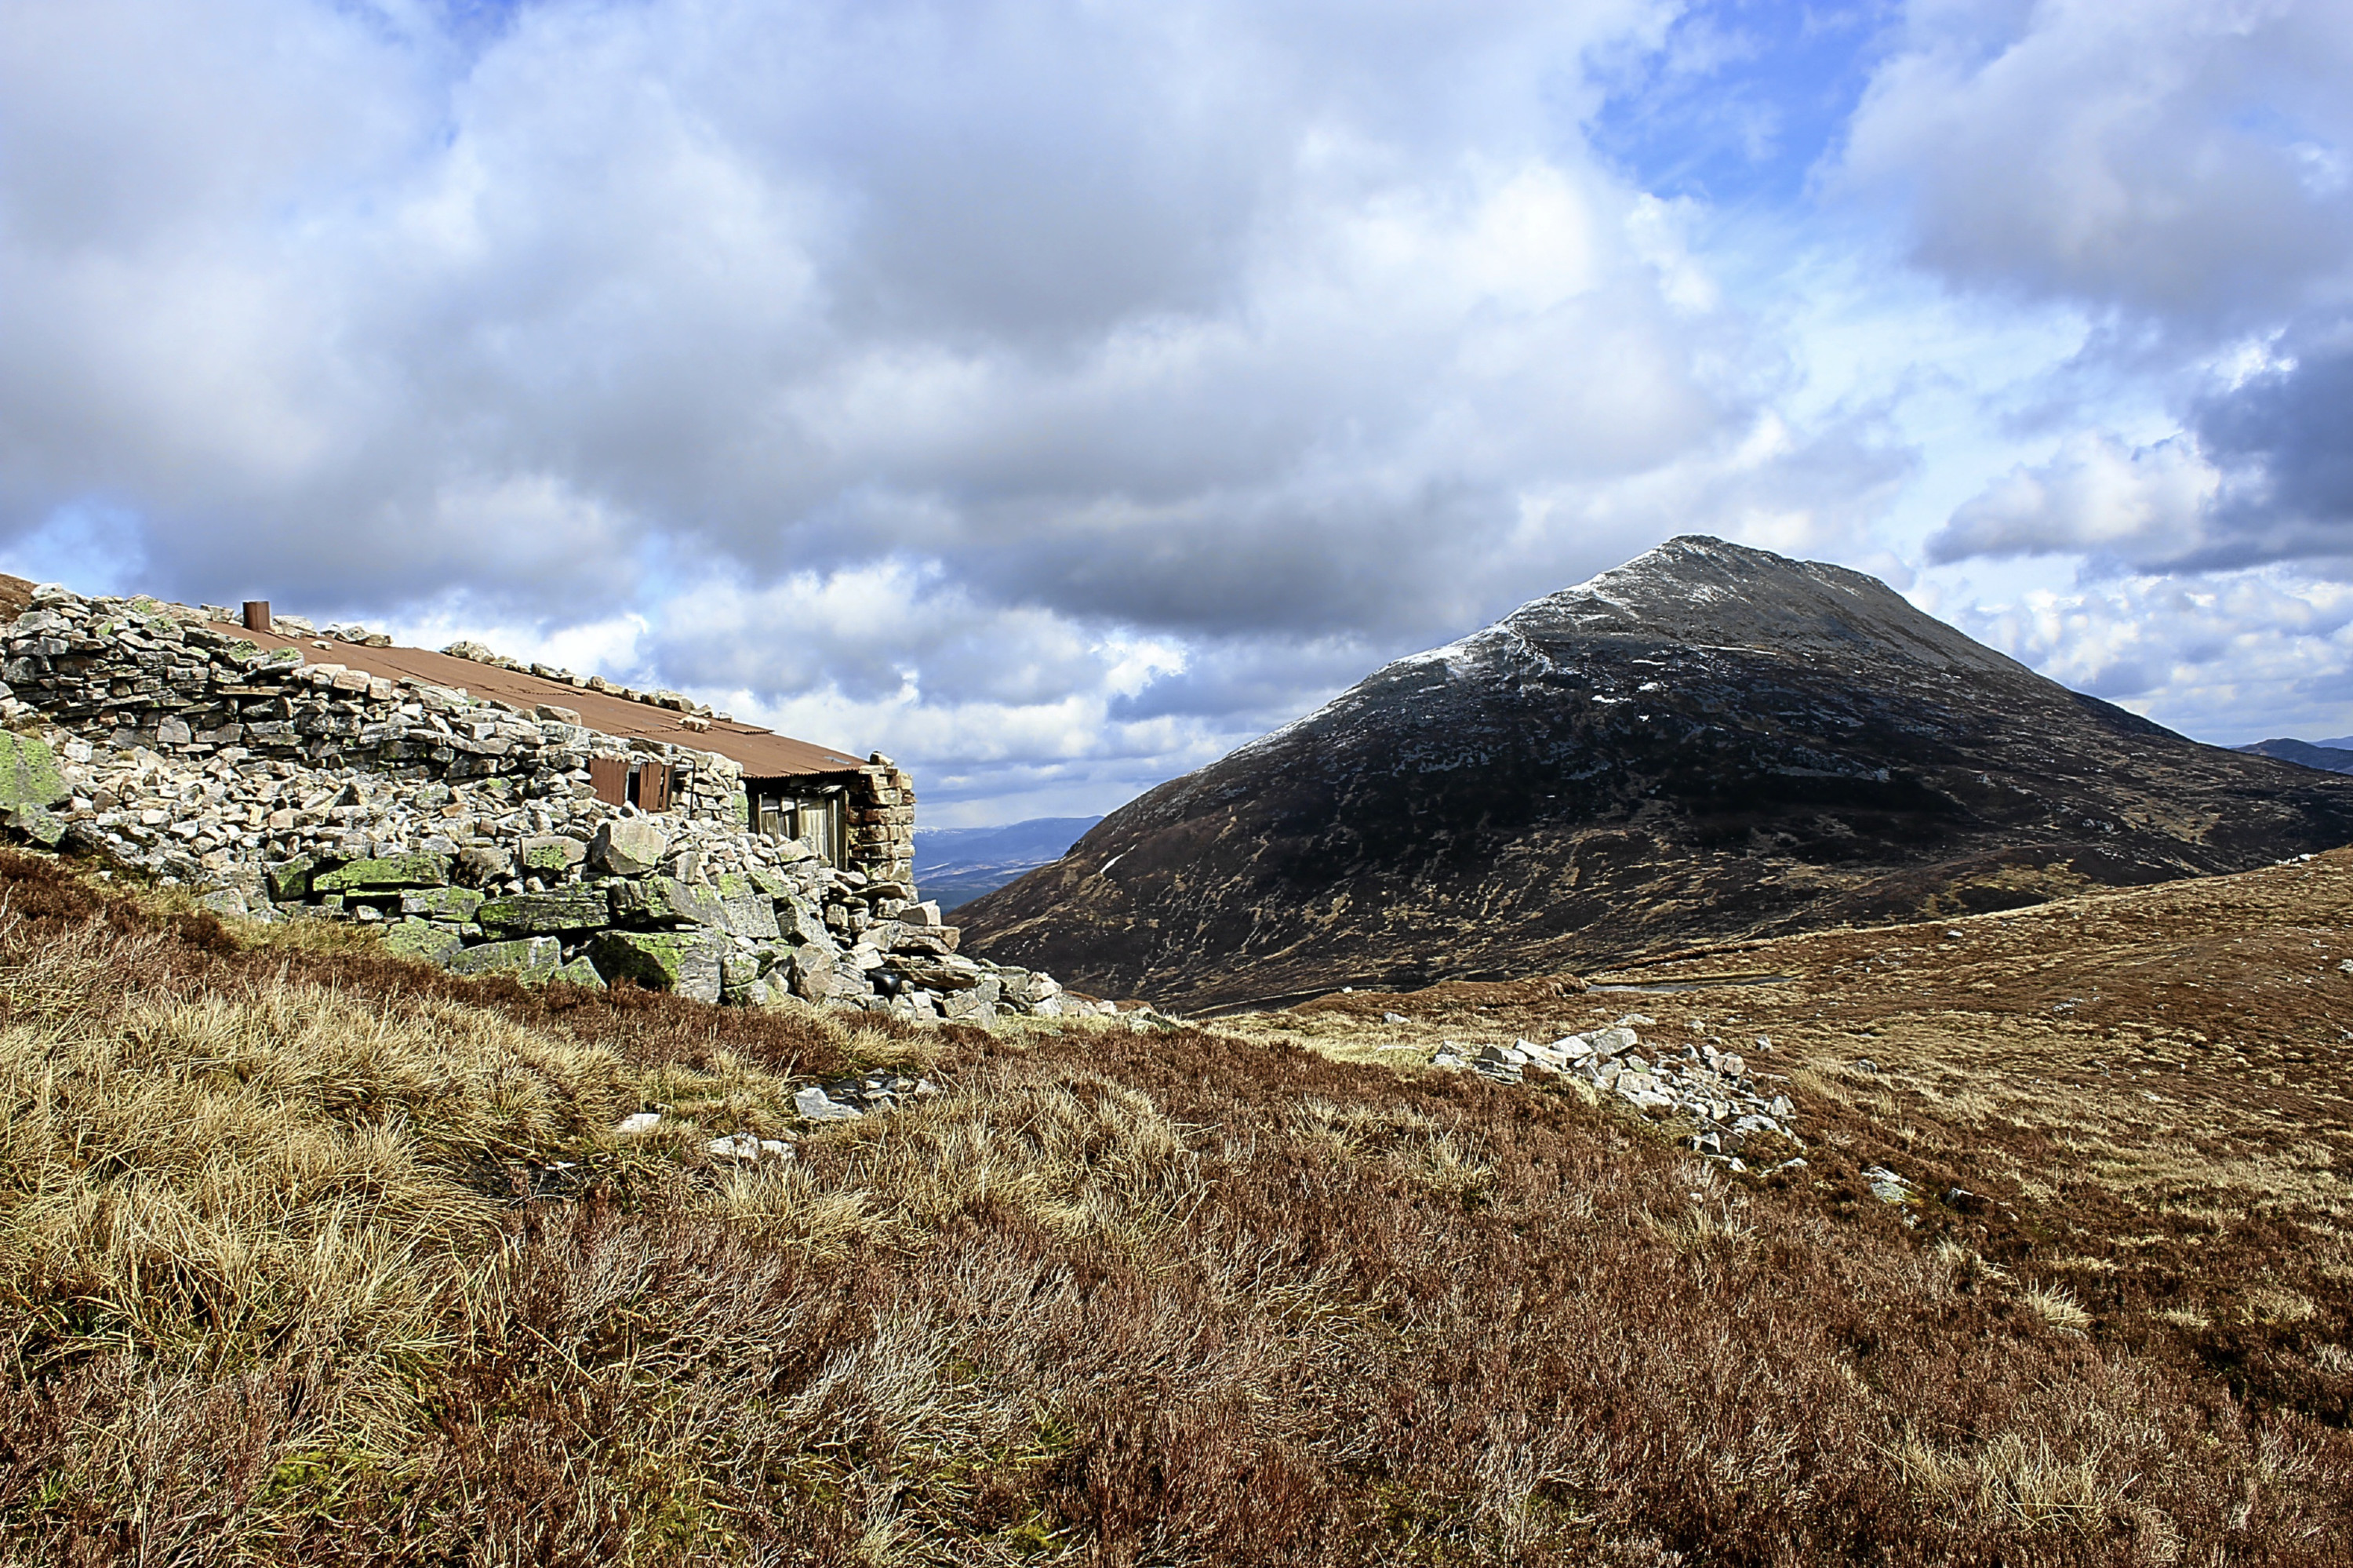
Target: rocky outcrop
[(1712, 741), (1704, 1087)]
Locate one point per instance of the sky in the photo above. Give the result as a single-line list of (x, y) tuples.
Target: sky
[(1054, 396)]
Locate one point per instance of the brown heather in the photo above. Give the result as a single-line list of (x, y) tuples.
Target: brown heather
[(306, 1256)]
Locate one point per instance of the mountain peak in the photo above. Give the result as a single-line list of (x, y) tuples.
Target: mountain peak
[(1702, 591), (1710, 740)]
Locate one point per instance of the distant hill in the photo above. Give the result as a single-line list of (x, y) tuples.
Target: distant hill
[(1710, 741), (955, 865), (2329, 756)]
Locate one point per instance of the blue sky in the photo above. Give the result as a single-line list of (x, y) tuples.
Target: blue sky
[(1055, 394)]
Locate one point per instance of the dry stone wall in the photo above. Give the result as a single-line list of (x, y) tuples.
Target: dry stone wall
[(469, 833)]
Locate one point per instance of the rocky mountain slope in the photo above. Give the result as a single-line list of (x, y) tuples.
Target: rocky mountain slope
[(1710, 741)]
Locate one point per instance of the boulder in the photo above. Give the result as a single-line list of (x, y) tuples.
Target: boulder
[(423, 941), (29, 774), (627, 846), (583, 973), (456, 903), (530, 960), (753, 916), (389, 874), (44, 827), (800, 922), (551, 854), (480, 865), (291, 879), (544, 914), (684, 963), (224, 901), (815, 1105), (666, 901)]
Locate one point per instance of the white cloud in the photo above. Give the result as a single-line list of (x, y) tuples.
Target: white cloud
[(2229, 656), (2097, 496)]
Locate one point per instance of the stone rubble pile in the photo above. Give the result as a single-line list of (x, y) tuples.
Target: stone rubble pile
[(130, 673), (1704, 1082), (173, 749), (538, 882), (847, 1099)]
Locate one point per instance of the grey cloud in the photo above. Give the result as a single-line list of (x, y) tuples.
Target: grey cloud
[(906, 365), (2185, 161), (2287, 438), (1093, 305)]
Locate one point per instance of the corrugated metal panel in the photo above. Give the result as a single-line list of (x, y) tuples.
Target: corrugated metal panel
[(609, 776), (762, 753)]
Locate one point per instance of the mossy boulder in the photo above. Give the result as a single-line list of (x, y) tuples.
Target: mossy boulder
[(291, 879), (457, 904), (580, 971), (685, 963), (44, 828), (551, 854)]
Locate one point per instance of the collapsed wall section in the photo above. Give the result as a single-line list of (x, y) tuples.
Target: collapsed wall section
[(473, 835), (141, 673)]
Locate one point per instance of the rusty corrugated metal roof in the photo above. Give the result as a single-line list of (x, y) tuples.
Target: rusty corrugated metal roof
[(762, 753)]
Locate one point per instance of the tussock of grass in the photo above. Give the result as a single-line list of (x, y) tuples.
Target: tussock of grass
[(271, 1292)]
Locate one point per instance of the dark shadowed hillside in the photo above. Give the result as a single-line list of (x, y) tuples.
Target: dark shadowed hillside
[(2328, 757), (1710, 740)]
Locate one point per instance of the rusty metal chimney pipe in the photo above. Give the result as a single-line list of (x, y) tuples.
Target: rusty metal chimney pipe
[(257, 615)]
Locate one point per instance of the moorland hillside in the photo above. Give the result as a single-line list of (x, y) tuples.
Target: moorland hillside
[(312, 1255)]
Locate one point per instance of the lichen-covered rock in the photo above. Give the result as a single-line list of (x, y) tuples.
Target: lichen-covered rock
[(388, 873), (424, 941), (453, 903), (530, 960), (44, 827), (544, 914), (666, 901), (751, 918), (627, 846), (684, 963), (580, 971), (28, 773), (544, 854), (291, 879)]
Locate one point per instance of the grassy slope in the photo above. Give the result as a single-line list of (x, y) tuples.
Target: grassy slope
[(309, 1255)]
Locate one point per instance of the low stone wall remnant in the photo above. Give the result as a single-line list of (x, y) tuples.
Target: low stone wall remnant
[(469, 833)]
